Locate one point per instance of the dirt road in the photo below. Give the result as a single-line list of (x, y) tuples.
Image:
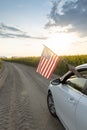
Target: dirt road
[(23, 95)]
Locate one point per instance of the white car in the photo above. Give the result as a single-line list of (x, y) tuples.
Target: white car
[(67, 99)]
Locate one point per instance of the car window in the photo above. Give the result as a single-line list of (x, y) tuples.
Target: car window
[(76, 82), (84, 73)]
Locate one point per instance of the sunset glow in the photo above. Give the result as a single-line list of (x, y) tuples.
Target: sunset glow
[(61, 43), (26, 26)]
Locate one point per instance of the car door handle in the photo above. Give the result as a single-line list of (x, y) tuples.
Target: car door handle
[(72, 100)]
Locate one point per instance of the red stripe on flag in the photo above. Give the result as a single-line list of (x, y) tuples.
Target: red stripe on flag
[(50, 67), (44, 65), (40, 65), (47, 66), (53, 67)]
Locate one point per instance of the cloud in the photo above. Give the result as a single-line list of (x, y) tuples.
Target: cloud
[(69, 12), (14, 32), (5, 27)]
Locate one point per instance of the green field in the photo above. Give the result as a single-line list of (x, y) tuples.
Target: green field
[(62, 64), (73, 60)]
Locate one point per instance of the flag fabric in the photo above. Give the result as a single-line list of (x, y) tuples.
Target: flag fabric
[(47, 63)]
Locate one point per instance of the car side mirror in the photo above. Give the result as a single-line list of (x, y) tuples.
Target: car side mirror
[(55, 81)]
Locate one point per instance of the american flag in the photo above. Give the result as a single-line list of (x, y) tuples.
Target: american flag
[(47, 63)]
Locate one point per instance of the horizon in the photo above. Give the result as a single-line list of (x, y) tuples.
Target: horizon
[(2, 57)]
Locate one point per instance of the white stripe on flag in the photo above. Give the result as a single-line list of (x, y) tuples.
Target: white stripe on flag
[(52, 67), (47, 63), (46, 67)]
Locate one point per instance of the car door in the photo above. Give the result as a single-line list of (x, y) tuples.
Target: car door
[(66, 99), (81, 111), (81, 114)]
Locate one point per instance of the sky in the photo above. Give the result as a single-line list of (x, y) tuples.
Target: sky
[(27, 25)]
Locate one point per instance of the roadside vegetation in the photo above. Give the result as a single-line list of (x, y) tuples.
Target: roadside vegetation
[(31, 61), (0, 63), (61, 66)]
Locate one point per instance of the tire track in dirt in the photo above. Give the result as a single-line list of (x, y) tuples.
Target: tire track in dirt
[(15, 110)]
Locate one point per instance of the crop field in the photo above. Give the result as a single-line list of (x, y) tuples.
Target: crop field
[(61, 66), (75, 60)]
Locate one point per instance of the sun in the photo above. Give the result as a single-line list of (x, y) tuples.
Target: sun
[(61, 42)]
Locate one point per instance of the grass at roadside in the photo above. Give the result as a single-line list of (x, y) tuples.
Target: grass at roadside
[(61, 67), (0, 64)]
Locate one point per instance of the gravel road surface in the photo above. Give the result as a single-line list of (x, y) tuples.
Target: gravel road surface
[(23, 105)]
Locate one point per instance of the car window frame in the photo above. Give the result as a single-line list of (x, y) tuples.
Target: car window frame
[(69, 74)]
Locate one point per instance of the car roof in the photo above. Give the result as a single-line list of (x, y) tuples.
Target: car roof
[(81, 66)]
